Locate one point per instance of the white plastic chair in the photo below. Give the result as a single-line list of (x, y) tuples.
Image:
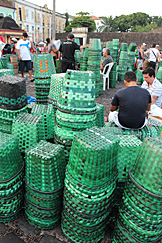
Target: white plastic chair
[(106, 72)]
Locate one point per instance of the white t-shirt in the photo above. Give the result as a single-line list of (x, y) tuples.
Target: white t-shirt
[(24, 46), (153, 54), (155, 89)]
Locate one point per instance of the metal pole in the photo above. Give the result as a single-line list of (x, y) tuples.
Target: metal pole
[(53, 22)]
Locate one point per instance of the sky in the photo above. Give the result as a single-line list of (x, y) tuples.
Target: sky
[(106, 8)]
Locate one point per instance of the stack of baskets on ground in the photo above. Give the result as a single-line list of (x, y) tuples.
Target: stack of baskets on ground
[(14, 63), (89, 185), (11, 178), (94, 62), (44, 178), (84, 60), (76, 107), (13, 100), (44, 68), (140, 214)]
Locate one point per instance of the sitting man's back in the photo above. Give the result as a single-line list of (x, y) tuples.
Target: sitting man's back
[(133, 103)]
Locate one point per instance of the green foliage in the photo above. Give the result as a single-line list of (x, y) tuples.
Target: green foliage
[(107, 24), (83, 21), (82, 13), (67, 19)]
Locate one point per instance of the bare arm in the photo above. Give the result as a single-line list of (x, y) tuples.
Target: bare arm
[(18, 53), (113, 108), (153, 99), (148, 109), (84, 46)]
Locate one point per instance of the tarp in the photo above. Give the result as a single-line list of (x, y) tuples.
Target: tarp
[(9, 23)]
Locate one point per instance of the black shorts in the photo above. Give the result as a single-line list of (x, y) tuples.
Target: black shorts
[(67, 65), (26, 64)]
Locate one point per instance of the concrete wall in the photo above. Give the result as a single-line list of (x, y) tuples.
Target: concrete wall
[(137, 37)]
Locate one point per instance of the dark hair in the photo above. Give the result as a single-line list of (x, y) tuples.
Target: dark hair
[(130, 76), (107, 51), (150, 71), (25, 34), (153, 45), (48, 40)]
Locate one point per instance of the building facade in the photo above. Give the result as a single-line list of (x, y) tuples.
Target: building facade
[(37, 20), (7, 9)]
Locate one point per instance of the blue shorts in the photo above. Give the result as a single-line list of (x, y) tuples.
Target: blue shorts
[(24, 64)]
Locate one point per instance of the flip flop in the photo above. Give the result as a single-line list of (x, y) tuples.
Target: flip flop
[(31, 80)]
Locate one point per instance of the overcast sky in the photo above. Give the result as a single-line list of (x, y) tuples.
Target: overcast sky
[(104, 7)]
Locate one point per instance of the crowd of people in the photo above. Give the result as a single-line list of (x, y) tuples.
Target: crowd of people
[(131, 105)]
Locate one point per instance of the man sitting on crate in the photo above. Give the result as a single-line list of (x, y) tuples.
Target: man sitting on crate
[(155, 89), (132, 103)]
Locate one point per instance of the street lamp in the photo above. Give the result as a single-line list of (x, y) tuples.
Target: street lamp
[(53, 21)]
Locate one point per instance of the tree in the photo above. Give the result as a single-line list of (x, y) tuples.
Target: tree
[(82, 21), (107, 23), (67, 19)]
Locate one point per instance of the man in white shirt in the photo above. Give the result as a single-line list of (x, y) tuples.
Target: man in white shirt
[(155, 89), (152, 55), (23, 51)]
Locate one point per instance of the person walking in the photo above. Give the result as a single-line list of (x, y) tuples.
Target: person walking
[(67, 48), (23, 50), (51, 49), (152, 55), (141, 57), (133, 103)]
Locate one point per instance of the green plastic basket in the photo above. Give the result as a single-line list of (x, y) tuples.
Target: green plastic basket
[(44, 66)]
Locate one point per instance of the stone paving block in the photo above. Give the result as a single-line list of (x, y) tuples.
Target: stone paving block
[(49, 239), (3, 228), (11, 238)]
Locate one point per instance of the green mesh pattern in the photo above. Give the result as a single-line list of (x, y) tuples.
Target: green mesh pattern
[(44, 66), (99, 150), (100, 115), (129, 147), (10, 157), (4, 72), (45, 166), (147, 169), (29, 129), (55, 87), (47, 113)]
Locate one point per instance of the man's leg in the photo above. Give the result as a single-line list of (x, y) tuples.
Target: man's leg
[(22, 64), (29, 68), (113, 117)]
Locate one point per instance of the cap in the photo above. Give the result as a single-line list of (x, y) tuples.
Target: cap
[(144, 44), (157, 45), (71, 36), (14, 39)]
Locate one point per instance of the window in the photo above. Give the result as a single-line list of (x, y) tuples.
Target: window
[(32, 29), (27, 28), (27, 14), (32, 16), (20, 26), (38, 18), (48, 20), (43, 20), (20, 14), (10, 16)]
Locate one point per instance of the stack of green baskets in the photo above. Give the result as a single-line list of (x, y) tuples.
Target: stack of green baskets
[(113, 76), (55, 88), (84, 60), (44, 68), (58, 66), (44, 178), (109, 45), (115, 43), (139, 76), (29, 129), (140, 215), (94, 62), (159, 72), (47, 113), (4, 72), (151, 130), (13, 100), (78, 54), (1, 64), (89, 185), (100, 115), (123, 64), (76, 106), (131, 55), (4, 62), (11, 178)]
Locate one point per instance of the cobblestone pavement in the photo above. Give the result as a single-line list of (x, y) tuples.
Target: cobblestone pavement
[(19, 230)]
